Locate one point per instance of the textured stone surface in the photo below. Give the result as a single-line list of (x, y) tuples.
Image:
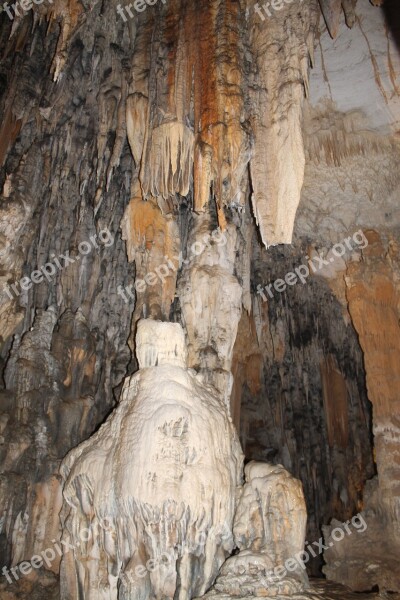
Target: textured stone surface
[(133, 124), (374, 300), (319, 590), (269, 529), (368, 57), (163, 470)]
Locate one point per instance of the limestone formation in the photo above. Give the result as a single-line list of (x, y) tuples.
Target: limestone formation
[(373, 296), (211, 301), (269, 530), (162, 473), (226, 149)]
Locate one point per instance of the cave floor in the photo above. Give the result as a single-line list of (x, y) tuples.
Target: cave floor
[(47, 588), (332, 591), (320, 590)]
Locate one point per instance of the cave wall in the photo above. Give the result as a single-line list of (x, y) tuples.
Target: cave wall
[(120, 129), (63, 340), (308, 340), (304, 401), (372, 290)]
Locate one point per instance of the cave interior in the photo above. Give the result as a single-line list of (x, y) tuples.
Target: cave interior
[(200, 299)]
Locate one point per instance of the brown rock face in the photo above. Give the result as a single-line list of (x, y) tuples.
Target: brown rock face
[(373, 294), (374, 300), (174, 163)]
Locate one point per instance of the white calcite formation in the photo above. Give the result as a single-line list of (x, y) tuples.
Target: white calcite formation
[(155, 486), (359, 72), (269, 529), (154, 503), (282, 49), (211, 299)]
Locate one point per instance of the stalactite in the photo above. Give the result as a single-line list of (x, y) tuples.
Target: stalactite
[(280, 48), (342, 136), (195, 110), (153, 243), (68, 12), (332, 9), (168, 160), (163, 125), (222, 147)]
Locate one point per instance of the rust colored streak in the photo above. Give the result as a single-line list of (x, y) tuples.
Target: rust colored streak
[(218, 104), (335, 403), (206, 108), (170, 40), (8, 134)]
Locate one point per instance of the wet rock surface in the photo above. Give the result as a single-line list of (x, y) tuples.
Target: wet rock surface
[(123, 143)]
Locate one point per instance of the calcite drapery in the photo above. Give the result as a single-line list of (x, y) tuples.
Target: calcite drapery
[(190, 117), (230, 95), (162, 472), (44, 173)]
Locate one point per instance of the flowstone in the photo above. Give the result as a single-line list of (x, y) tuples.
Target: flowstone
[(153, 501), (154, 489), (269, 529)]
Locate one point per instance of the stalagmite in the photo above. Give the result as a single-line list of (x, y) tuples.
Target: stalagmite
[(269, 530), (234, 153), (162, 473)]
